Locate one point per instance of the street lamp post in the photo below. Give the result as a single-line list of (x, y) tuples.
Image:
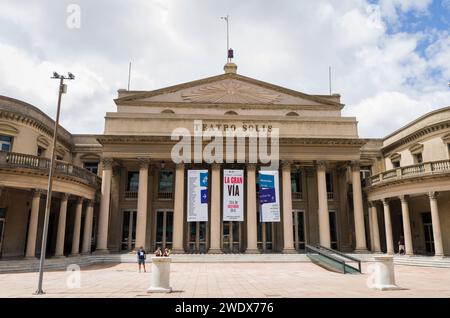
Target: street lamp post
[(62, 90)]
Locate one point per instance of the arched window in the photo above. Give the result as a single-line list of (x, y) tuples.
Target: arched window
[(292, 114), (167, 111), (231, 112)]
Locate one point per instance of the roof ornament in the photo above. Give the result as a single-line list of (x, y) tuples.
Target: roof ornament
[(230, 67)]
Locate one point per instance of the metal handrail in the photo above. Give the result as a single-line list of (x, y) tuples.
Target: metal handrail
[(343, 255), (323, 251)]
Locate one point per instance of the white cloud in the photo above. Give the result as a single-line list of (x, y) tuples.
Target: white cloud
[(381, 77)]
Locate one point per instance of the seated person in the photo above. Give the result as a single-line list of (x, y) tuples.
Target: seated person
[(158, 252)]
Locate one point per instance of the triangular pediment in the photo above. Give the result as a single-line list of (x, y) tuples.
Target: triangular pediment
[(227, 88)]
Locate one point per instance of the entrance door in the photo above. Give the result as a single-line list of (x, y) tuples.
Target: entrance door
[(197, 237), (2, 227), (333, 230), (164, 229), (298, 218), (265, 235), (428, 233), (128, 230), (231, 239)]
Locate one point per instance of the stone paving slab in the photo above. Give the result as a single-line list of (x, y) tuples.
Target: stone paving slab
[(231, 280)]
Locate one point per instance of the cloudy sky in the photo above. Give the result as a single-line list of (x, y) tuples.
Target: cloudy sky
[(390, 59)]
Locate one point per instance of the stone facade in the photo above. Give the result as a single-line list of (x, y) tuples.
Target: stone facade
[(120, 190)]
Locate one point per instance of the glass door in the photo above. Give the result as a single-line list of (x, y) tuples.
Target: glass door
[(298, 220), (265, 235), (333, 230), (428, 233), (231, 239), (128, 230), (197, 237), (164, 229)]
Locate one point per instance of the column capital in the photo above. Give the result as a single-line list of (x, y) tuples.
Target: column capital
[(355, 165), (215, 165), (433, 195), (116, 169), (251, 166), (180, 165), (385, 201), (80, 200), (107, 163), (90, 203), (37, 192), (65, 196), (321, 164), (286, 164), (371, 204), (404, 198), (143, 163)]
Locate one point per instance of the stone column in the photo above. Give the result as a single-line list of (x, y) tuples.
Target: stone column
[(60, 237), (358, 211), (77, 228), (215, 209), (388, 227), (376, 244), (437, 235), (33, 224), (141, 216), (324, 217), (406, 226), (88, 222), (103, 221), (252, 243), (288, 231), (178, 213)]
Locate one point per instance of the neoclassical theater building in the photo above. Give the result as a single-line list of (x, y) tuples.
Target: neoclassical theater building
[(120, 190)]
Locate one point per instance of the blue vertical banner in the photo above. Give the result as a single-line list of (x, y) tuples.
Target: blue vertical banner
[(269, 198), (197, 196)]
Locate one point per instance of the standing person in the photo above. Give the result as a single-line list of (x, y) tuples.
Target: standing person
[(401, 246), (141, 256)]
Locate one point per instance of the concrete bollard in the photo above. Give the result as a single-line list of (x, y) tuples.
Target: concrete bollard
[(383, 271), (160, 275)]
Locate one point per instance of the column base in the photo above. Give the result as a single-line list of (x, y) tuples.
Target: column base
[(215, 251), (289, 251), (30, 258), (159, 290), (361, 251), (85, 253), (59, 257), (101, 252), (252, 251), (74, 255), (439, 256)]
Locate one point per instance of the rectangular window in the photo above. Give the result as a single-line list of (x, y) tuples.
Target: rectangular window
[(5, 143), (166, 179), (329, 179), (296, 182), (418, 158), (133, 181), (366, 172), (59, 158), (396, 164), (40, 152), (91, 166)]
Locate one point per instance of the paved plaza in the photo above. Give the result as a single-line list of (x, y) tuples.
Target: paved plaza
[(229, 281)]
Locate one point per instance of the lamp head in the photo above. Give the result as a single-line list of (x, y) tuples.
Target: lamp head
[(71, 76)]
